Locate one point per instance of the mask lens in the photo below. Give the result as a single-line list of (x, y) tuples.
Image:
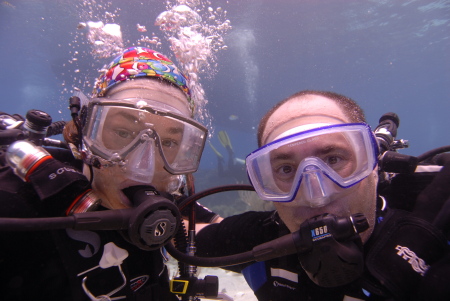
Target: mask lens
[(115, 132), (345, 154), (183, 154)]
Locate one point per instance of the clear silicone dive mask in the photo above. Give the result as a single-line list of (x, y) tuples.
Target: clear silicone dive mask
[(128, 132), (311, 165)]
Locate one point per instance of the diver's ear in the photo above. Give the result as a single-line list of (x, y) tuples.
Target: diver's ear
[(70, 133)]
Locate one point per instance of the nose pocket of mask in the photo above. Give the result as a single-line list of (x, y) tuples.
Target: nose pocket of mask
[(141, 162), (316, 187)]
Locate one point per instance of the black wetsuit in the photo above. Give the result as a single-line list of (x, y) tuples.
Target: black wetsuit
[(52, 265), (276, 279), (284, 279)]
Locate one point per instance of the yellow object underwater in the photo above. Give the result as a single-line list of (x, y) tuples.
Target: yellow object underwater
[(224, 139), (215, 150)]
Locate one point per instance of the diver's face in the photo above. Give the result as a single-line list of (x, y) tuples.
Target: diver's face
[(333, 149), (310, 109), (121, 127)]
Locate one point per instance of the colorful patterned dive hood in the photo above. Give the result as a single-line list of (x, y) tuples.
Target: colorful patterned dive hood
[(137, 62)]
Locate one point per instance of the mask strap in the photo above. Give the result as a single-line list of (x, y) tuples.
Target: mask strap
[(301, 128)]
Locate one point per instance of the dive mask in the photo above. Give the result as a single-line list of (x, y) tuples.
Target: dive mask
[(128, 132), (319, 162)]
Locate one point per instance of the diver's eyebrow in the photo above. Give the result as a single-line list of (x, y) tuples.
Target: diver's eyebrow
[(320, 151), (126, 115), (174, 130), (282, 156), (335, 146)]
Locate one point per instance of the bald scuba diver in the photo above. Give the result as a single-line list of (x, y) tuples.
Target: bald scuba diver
[(318, 161)]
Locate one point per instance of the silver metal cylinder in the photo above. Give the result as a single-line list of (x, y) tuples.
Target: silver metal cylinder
[(22, 155), (88, 202)]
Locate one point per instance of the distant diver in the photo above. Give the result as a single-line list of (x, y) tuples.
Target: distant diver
[(236, 166)]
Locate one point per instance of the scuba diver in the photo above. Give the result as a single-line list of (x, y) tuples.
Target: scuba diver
[(134, 139), (236, 166), (319, 163)]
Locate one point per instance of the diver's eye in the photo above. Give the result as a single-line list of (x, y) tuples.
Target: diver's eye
[(285, 169), (342, 163), (285, 172), (169, 143), (125, 134), (333, 160)]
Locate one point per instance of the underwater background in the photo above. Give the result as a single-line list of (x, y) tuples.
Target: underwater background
[(243, 56)]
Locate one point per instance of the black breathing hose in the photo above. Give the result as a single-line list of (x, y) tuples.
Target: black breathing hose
[(341, 229), (210, 261), (35, 224), (431, 153), (122, 219), (95, 220), (211, 191), (56, 128)]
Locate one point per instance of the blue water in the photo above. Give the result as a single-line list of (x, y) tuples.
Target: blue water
[(388, 55)]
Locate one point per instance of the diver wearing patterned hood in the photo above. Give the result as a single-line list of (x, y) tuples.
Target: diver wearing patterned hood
[(137, 130)]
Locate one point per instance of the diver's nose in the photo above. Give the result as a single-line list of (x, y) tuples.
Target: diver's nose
[(140, 164), (316, 187), (314, 179)]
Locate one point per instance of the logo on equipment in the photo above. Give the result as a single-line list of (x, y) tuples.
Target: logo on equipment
[(276, 283), (138, 282), (418, 264), (161, 229)]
